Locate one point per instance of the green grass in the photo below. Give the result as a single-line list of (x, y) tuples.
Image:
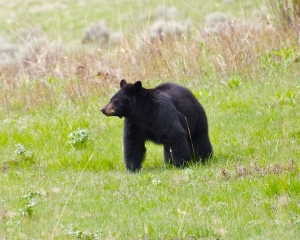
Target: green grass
[(62, 174), (196, 202), (248, 190)]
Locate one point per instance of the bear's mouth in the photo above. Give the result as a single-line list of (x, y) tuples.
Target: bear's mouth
[(109, 114)]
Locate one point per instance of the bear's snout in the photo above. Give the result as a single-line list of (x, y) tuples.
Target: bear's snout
[(108, 110)]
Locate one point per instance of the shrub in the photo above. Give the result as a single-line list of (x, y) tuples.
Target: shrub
[(98, 32)]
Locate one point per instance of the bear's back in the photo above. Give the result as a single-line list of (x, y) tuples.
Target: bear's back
[(185, 102)]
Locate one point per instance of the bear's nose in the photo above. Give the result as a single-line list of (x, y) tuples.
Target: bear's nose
[(102, 110)]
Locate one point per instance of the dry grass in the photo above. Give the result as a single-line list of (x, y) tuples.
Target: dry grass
[(257, 170), (47, 72)]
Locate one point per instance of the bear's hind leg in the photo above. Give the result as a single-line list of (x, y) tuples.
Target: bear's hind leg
[(202, 148), (177, 153)]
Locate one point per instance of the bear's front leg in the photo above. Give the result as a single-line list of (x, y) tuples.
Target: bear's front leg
[(134, 153), (134, 146)]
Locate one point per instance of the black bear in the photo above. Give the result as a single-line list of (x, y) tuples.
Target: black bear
[(169, 115)]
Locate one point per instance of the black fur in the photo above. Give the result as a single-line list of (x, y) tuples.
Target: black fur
[(169, 115)]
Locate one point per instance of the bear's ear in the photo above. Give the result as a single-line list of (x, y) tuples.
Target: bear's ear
[(123, 83), (136, 87)]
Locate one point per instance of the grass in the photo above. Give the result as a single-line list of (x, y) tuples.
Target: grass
[(68, 20), (250, 189), (62, 174), (195, 203)]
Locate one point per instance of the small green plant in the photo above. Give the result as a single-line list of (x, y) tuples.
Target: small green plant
[(79, 138), (27, 209), (291, 98), (203, 93), (295, 218), (156, 181), (234, 82), (25, 154), (288, 98), (85, 235), (286, 56), (280, 59), (280, 97)]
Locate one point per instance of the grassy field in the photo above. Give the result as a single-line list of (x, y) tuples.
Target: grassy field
[(62, 174), (67, 20)]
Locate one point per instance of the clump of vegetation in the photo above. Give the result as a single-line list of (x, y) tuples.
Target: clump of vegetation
[(79, 138), (30, 202), (234, 82), (37, 49), (22, 157), (100, 33), (34, 55), (21, 151), (7, 52), (167, 24), (288, 98), (84, 235), (166, 29), (97, 31), (281, 60)]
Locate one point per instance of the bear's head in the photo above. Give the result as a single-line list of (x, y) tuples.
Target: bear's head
[(123, 103)]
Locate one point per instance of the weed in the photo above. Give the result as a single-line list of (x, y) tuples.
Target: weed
[(234, 82), (30, 202), (156, 181), (295, 218), (287, 55), (202, 93), (288, 98), (23, 153), (291, 96), (84, 235), (79, 138), (280, 60), (20, 149)]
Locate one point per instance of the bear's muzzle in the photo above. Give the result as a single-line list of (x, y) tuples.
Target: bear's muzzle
[(108, 110)]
